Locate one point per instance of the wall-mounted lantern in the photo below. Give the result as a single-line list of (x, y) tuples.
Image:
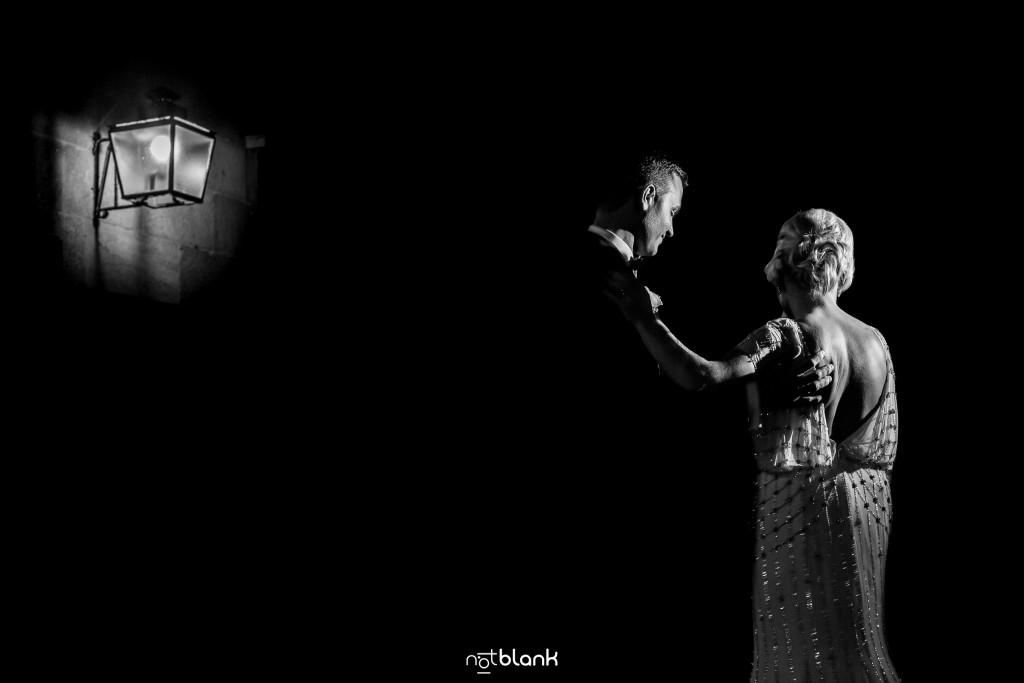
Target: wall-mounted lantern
[(158, 162)]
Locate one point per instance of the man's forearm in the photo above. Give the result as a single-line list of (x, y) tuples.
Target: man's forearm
[(683, 366)]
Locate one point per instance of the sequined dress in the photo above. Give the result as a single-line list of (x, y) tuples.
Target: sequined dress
[(822, 523)]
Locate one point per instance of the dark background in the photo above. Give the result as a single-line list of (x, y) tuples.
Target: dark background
[(541, 461), (503, 545), (393, 446)]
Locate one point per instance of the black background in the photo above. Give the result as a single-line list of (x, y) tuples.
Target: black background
[(499, 536), (364, 442)]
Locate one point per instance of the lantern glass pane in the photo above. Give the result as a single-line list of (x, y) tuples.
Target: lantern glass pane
[(143, 157), (192, 153)]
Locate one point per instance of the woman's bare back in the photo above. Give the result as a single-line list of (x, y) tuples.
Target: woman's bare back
[(860, 368)]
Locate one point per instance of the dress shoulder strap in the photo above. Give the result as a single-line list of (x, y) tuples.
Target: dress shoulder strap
[(885, 347)]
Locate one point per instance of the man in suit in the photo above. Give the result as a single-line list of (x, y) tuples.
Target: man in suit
[(634, 217), (638, 450)]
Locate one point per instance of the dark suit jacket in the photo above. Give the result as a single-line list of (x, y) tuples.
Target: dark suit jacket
[(611, 366)]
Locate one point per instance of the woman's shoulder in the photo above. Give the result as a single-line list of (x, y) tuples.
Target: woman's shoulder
[(868, 349), (770, 339), (779, 328), (787, 332), (863, 339)]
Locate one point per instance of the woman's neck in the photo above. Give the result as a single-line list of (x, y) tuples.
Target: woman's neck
[(804, 304)]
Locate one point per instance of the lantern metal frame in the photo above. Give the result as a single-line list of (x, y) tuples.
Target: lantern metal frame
[(141, 199)]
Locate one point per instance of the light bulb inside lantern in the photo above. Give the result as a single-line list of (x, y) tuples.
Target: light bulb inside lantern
[(160, 148)]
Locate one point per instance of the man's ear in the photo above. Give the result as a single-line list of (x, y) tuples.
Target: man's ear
[(648, 196)]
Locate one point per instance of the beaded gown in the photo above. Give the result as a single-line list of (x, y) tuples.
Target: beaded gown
[(822, 522)]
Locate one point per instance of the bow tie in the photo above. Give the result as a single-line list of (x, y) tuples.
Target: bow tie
[(635, 263)]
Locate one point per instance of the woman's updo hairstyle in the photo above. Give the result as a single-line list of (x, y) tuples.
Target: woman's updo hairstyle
[(823, 255)]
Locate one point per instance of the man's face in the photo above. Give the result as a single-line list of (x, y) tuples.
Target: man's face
[(656, 219)]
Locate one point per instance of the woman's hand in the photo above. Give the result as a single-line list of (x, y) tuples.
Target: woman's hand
[(630, 295)]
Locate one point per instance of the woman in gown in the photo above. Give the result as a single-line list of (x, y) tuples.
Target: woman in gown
[(823, 508)]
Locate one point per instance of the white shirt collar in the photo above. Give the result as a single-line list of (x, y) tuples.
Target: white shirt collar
[(616, 241)]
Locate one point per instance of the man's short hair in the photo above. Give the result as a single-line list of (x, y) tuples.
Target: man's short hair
[(632, 175)]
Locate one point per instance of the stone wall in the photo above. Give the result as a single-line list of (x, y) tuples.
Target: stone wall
[(168, 255)]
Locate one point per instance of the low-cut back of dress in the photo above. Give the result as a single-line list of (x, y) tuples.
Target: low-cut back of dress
[(822, 523)]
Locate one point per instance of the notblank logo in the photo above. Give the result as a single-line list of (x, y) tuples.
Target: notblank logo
[(485, 661)]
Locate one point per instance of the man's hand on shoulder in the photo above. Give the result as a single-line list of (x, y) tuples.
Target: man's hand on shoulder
[(795, 382)]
